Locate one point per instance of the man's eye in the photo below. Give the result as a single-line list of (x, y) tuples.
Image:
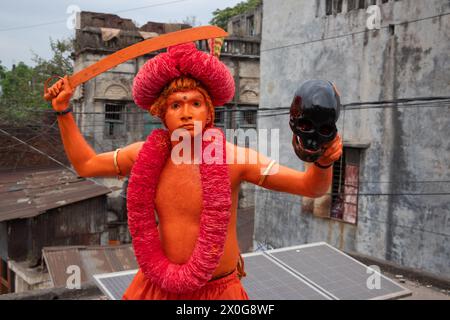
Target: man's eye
[(197, 104), (175, 105)]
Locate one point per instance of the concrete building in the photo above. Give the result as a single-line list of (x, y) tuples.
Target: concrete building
[(391, 189), (247, 24)]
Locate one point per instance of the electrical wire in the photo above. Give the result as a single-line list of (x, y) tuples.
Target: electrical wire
[(65, 20)]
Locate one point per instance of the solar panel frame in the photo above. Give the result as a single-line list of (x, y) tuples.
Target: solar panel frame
[(100, 280), (403, 292), (270, 255), (278, 265)]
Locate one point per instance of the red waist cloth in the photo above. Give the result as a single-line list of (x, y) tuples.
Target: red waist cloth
[(226, 288)]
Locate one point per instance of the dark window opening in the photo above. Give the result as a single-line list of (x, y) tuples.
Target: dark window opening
[(351, 5), (219, 117), (114, 120), (339, 6), (392, 29), (362, 4), (345, 186), (251, 26), (237, 27), (249, 117), (329, 7)]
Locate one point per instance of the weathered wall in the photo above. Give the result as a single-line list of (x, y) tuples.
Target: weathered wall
[(406, 144)]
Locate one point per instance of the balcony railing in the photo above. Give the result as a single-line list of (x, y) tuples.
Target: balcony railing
[(236, 46)]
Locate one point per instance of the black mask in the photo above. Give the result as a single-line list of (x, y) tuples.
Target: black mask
[(313, 115)]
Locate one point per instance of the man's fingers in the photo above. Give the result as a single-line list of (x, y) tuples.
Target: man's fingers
[(53, 91), (66, 83), (338, 137), (337, 145)]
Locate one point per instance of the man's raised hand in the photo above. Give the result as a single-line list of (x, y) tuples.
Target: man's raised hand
[(332, 153), (62, 92)]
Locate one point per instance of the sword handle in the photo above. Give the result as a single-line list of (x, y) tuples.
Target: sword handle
[(47, 95)]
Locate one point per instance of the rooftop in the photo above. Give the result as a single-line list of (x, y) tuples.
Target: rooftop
[(28, 193)]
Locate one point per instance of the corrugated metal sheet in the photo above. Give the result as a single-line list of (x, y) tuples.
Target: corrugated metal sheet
[(26, 194), (90, 260)]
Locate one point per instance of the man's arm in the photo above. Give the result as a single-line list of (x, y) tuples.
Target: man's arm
[(83, 158), (313, 183)]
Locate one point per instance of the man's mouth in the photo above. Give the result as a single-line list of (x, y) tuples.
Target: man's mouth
[(187, 126)]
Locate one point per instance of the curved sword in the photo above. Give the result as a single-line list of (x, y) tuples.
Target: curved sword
[(139, 49)]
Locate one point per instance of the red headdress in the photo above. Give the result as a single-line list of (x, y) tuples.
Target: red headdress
[(183, 60)]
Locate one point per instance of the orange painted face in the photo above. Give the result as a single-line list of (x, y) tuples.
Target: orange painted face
[(185, 107)]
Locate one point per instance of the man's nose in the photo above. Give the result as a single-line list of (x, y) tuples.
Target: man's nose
[(186, 113)]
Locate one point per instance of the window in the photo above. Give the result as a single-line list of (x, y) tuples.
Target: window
[(345, 186), (248, 118), (251, 26), (339, 6), (219, 118), (114, 120), (333, 7), (361, 4), (351, 5), (237, 27), (329, 7)]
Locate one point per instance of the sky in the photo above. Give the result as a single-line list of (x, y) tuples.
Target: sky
[(27, 26)]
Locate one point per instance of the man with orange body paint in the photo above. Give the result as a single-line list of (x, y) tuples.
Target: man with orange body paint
[(178, 199)]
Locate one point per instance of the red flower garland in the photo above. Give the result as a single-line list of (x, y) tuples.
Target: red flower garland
[(215, 216)]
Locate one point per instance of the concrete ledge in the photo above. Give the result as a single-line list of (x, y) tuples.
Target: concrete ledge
[(413, 274), (87, 291)]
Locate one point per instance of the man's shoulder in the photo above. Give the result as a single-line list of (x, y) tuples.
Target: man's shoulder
[(133, 150)]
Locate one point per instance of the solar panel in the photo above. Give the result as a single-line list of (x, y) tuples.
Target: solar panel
[(337, 274), (114, 285), (307, 272), (268, 280)]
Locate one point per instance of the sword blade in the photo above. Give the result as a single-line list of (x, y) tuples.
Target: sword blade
[(144, 47), (139, 49)]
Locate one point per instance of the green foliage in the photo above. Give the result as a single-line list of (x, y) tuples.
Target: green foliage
[(22, 87), (222, 16)]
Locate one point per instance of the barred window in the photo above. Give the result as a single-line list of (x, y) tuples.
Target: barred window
[(333, 7), (114, 120), (345, 186), (219, 118), (249, 117)]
